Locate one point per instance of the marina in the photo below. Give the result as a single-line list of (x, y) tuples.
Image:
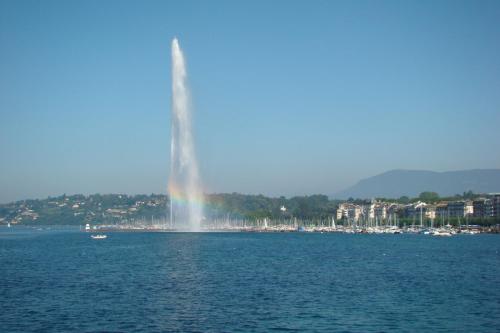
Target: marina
[(392, 230)]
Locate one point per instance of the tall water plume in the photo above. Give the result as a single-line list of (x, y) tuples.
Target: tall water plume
[(185, 192)]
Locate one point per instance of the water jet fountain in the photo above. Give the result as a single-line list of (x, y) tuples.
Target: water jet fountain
[(186, 197)]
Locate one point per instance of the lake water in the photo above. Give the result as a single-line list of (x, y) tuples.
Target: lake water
[(247, 282)]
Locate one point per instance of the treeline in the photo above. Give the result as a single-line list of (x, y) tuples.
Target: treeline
[(111, 208), (428, 197), (246, 206)]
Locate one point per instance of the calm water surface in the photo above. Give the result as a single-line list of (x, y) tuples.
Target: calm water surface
[(61, 281)]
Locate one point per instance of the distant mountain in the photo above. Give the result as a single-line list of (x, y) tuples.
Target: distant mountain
[(396, 183)]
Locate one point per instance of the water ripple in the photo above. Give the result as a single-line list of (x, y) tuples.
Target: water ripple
[(159, 282)]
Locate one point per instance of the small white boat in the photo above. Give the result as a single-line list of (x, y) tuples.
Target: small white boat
[(98, 236), (442, 233), (469, 232)]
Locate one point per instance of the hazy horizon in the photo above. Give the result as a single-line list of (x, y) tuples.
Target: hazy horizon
[(333, 195), (290, 98)]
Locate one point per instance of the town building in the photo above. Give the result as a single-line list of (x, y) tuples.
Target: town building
[(442, 210), (460, 208), (349, 211), (420, 209), (496, 204), (483, 207), (380, 211), (354, 212)]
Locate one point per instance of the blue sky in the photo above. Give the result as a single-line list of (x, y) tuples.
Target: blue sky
[(291, 97)]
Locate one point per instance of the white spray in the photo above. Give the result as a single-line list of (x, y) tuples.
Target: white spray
[(185, 192)]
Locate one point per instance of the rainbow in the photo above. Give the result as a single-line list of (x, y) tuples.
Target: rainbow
[(179, 198)]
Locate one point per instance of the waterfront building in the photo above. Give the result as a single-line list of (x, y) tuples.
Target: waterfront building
[(349, 211), (394, 209), (469, 209), (442, 210), (420, 208), (460, 208), (483, 207), (496, 204), (354, 212), (369, 210), (342, 211), (411, 210), (380, 211), (430, 212), (339, 213)]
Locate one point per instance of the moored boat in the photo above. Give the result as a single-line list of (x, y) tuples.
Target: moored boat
[(442, 233)]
